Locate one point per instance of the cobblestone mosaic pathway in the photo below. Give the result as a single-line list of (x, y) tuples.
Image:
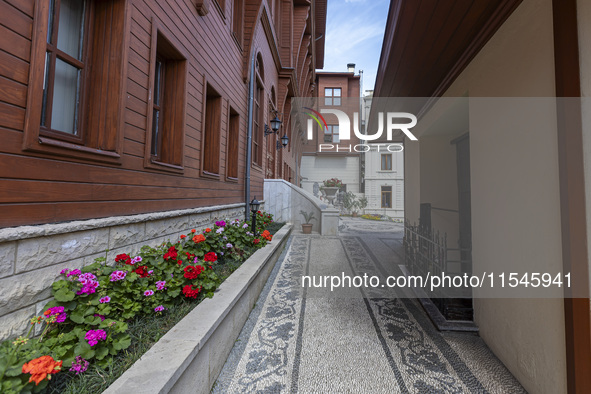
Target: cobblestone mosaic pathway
[(355, 340)]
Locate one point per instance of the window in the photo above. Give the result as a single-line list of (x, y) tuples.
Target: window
[(258, 115), (387, 162), (237, 20), (65, 67), (211, 132), (386, 196), (331, 134), (332, 96), (165, 147), (232, 145), (75, 82)]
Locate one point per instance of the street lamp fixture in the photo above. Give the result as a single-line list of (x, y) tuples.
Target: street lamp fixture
[(254, 207), (284, 142), (275, 125)]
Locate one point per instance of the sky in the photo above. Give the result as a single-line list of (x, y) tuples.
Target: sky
[(354, 34)]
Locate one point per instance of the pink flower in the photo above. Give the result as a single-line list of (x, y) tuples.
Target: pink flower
[(118, 275), (136, 260), (101, 316), (160, 285), (148, 293), (93, 336), (105, 299), (159, 308), (59, 311), (80, 365), (73, 273)]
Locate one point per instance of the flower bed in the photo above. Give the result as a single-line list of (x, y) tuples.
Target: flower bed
[(87, 322)]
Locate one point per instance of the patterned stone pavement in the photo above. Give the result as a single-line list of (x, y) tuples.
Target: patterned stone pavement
[(353, 340)]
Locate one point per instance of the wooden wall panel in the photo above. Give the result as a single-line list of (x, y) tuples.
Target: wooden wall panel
[(40, 187)]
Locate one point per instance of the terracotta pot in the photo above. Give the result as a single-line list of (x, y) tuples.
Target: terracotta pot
[(306, 228), (354, 214)]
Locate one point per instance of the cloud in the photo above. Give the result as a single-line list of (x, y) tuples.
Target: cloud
[(355, 30)]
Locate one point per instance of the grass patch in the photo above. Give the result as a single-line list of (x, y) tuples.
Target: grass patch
[(145, 331)]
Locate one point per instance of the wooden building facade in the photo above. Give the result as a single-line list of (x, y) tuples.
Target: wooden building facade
[(119, 107)]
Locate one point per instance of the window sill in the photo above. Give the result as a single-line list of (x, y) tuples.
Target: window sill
[(210, 175), (63, 148), (159, 165), (257, 167), (231, 179)]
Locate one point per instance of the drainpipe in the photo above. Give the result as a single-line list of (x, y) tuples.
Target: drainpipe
[(362, 156), (249, 138)]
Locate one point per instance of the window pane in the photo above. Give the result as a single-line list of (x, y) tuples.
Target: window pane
[(50, 21), (45, 92), (64, 112), (337, 92), (335, 138), (71, 26), (155, 130), (328, 130), (337, 101), (328, 101), (327, 91)]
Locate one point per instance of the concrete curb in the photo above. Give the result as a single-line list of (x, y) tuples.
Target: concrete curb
[(191, 355)]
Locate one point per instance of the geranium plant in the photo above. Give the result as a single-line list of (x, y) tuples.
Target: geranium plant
[(87, 319), (333, 182)]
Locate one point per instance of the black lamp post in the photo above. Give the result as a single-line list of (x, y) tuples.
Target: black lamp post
[(254, 207), (275, 125)]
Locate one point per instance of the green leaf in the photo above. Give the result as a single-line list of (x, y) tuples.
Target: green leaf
[(77, 317), (101, 352), (15, 370), (122, 342), (83, 349), (64, 295)]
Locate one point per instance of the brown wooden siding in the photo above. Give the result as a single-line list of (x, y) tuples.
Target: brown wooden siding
[(45, 186)]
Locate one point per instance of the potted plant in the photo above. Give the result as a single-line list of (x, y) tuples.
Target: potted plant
[(308, 217), (331, 187)]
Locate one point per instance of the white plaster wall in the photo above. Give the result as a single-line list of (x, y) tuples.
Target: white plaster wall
[(515, 194), (375, 178), (320, 168)]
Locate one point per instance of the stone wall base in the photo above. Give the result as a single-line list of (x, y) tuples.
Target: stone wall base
[(31, 257)]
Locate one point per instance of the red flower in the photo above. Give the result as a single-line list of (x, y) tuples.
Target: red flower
[(193, 271), (142, 271), (179, 262), (193, 231), (208, 230), (211, 256), (190, 256), (41, 368), (189, 292), (171, 254), (198, 238), (123, 258), (183, 236), (256, 241)]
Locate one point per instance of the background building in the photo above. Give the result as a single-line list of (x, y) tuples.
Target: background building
[(341, 160)]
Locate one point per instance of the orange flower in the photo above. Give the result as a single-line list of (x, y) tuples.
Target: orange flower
[(193, 231), (41, 368), (183, 236), (198, 238), (267, 235), (208, 230), (47, 312)]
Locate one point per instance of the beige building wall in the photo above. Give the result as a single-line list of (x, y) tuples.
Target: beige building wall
[(375, 178), (515, 190)]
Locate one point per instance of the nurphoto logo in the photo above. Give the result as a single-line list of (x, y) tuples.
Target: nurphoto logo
[(344, 126)]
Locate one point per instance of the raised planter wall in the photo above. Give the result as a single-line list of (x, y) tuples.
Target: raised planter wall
[(190, 357), (285, 201), (31, 257)]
